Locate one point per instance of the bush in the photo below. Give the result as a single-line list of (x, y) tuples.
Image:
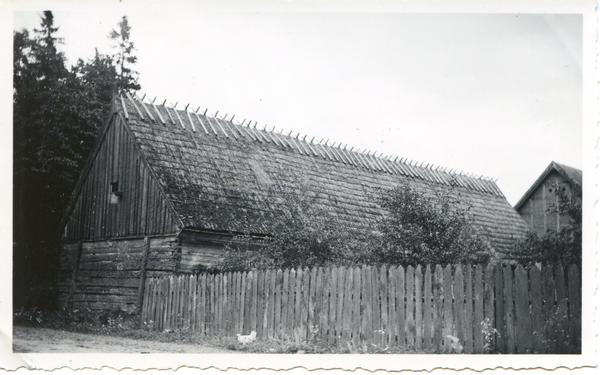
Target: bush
[(420, 229)]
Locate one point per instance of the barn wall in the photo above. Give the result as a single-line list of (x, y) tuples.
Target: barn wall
[(141, 210), (108, 274), (202, 249), (538, 210)]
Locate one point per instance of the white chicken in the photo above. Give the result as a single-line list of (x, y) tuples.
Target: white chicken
[(246, 339), (455, 344)]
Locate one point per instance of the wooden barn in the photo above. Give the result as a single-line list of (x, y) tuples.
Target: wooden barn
[(164, 190), (539, 204)]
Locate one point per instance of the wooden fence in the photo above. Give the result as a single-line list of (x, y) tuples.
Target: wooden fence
[(534, 311)]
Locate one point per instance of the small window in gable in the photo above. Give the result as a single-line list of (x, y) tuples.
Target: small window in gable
[(115, 194)]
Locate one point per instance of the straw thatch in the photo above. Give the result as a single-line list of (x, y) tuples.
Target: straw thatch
[(228, 177)]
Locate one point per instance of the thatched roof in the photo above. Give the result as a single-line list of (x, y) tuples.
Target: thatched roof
[(224, 176)]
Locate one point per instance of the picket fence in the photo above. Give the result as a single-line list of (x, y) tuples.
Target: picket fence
[(494, 309)]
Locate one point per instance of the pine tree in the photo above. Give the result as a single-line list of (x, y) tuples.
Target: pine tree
[(124, 58)]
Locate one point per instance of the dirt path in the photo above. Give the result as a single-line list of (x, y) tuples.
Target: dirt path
[(44, 340)]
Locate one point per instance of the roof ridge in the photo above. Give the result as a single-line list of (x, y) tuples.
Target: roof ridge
[(360, 159)]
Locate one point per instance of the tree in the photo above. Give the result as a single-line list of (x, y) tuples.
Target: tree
[(56, 116), (422, 229), (416, 229), (301, 235), (124, 58)]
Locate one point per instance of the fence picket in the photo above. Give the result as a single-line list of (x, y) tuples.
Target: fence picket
[(509, 313), (499, 293), (339, 323), (418, 307), (448, 318), (478, 311), (356, 306), (410, 306), (574, 293), (438, 307), (347, 310), (393, 319), (536, 298), (488, 296), (353, 307), (384, 306), (271, 309), (286, 305), (523, 315), (561, 294), (367, 320), (323, 298), (331, 337), (376, 307), (427, 310), (304, 305), (277, 302), (459, 297)]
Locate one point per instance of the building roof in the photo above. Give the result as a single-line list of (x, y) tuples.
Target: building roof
[(573, 175), (230, 177)]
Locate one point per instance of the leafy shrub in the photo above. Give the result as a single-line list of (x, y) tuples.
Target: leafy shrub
[(417, 229), (421, 229)]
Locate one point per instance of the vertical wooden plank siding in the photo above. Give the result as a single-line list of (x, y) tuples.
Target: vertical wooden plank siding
[(142, 210), (339, 305)]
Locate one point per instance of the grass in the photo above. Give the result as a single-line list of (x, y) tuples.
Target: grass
[(121, 324)]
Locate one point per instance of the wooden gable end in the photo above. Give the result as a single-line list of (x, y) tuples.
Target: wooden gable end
[(540, 209), (118, 195)]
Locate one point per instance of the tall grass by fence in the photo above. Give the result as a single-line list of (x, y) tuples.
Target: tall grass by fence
[(493, 309)]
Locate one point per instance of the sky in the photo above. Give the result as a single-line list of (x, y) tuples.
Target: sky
[(498, 95)]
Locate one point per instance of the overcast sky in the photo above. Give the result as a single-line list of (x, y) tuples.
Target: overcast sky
[(498, 95)]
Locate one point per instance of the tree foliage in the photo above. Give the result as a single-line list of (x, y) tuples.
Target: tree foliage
[(299, 238), (424, 229), (125, 58), (417, 229), (56, 115)]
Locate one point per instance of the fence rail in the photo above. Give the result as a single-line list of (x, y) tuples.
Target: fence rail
[(492, 309)]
